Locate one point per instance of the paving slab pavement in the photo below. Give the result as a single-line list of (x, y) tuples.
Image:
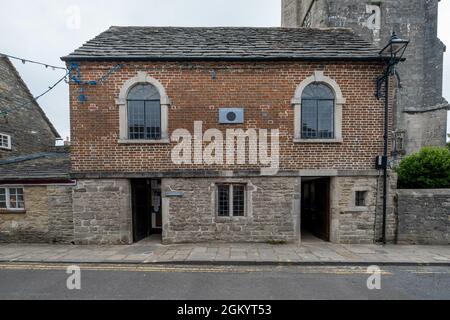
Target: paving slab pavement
[(149, 252)]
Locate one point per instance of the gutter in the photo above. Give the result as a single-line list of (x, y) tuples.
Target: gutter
[(38, 182)]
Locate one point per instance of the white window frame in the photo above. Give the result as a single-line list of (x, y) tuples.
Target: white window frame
[(8, 199), (231, 202), (339, 102), (121, 102), (8, 139)]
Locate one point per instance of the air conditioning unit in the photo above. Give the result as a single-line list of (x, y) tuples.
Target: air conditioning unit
[(231, 116)]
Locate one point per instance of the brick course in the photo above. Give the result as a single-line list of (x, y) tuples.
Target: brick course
[(264, 89)]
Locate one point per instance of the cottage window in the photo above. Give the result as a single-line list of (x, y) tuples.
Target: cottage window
[(317, 112), (5, 141), (231, 199), (144, 113), (12, 199)]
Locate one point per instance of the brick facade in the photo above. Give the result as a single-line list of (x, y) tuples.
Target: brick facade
[(265, 91)]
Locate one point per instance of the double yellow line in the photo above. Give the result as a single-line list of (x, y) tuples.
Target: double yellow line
[(190, 269)]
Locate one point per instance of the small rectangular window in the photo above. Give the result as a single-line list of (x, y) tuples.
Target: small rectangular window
[(360, 198), (12, 199), (5, 141), (238, 201), (231, 199), (224, 200)]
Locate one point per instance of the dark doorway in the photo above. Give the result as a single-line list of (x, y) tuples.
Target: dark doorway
[(315, 213), (147, 211)]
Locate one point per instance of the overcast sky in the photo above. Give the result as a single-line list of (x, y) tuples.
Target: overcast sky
[(45, 30)]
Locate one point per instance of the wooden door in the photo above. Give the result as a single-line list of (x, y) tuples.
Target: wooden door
[(141, 210)]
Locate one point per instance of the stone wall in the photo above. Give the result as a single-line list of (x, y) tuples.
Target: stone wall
[(60, 214), (47, 219), (102, 212), (350, 224), (26, 122), (427, 129), (273, 208), (424, 217)]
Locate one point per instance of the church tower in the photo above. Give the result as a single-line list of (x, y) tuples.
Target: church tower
[(421, 111)]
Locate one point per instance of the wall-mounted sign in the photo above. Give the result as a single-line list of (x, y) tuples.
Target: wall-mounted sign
[(231, 115), (174, 194)]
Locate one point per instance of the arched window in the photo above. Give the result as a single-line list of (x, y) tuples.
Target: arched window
[(317, 116), (144, 112)]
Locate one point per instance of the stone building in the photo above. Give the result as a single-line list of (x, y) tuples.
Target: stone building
[(24, 127), (36, 198), (225, 134), (421, 111), (35, 188)]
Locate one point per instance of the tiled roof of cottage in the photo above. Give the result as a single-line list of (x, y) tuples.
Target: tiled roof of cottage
[(39, 166), (225, 43)]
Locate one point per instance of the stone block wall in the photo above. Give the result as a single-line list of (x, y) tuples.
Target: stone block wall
[(60, 214), (351, 224), (424, 217), (102, 212), (427, 129), (273, 208), (26, 122), (47, 217)]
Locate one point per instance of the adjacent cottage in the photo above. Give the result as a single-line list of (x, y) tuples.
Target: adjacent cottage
[(226, 134), (24, 127), (35, 187)]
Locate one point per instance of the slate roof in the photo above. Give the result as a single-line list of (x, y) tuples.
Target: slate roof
[(5, 104), (39, 166), (225, 43)]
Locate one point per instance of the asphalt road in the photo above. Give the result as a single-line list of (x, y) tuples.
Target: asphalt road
[(25, 281)]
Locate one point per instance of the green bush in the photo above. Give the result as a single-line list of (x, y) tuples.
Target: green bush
[(427, 169)]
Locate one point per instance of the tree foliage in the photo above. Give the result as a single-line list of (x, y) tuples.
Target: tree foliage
[(427, 169)]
